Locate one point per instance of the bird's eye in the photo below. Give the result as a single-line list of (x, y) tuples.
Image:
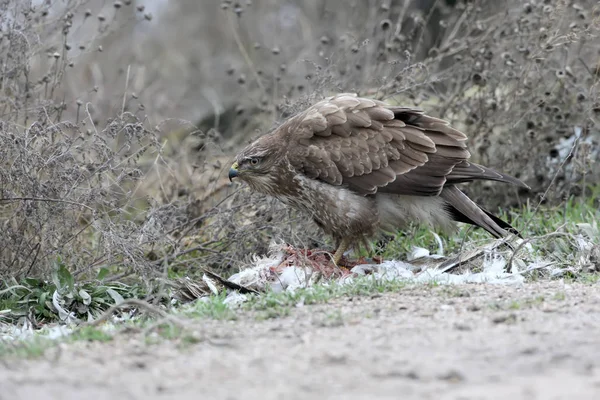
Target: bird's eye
[(254, 161)]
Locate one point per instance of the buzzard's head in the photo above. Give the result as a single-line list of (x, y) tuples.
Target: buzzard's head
[(258, 165)]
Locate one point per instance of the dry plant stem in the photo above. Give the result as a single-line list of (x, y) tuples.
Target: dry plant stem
[(457, 25), (190, 224), (118, 277), (8, 289), (154, 165), (401, 17), (126, 87), (87, 110), (137, 303), (462, 243), (530, 239), (76, 234), (11, 199), (242, 49), (449, 265), (426, 21), (562, 164), (533, 107), (187, 251)]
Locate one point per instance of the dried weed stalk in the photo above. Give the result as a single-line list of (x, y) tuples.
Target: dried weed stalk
[(67, 188)]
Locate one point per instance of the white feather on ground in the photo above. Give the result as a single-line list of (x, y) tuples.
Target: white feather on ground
[(421, 267), (483, 265)]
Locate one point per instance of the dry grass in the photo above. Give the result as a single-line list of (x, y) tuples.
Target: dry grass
[(99, 167)]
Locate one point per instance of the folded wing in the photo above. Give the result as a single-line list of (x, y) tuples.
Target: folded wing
[(369, 147)]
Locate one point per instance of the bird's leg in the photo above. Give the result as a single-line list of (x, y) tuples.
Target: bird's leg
[(342, 247)]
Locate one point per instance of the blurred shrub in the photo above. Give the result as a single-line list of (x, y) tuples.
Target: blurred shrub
[(517, 77), (67, 188)]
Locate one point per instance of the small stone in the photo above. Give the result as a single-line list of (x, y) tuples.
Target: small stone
[(505, 319), (452, 376), (462, 327)]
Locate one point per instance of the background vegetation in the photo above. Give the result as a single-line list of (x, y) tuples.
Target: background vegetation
[(118, 121)]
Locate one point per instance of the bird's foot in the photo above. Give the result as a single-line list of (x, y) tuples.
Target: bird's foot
[(323, 261), (349, 263), (317, 259)]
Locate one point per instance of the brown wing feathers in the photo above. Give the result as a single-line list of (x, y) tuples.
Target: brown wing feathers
[(372, 147), (468, 171)]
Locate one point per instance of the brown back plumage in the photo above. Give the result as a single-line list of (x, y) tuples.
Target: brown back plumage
[(371, 147)]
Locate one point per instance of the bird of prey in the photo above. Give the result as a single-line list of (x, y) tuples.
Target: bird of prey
[(360, 167)]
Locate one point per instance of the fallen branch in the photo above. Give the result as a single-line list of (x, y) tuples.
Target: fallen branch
[(13, 199), (137, 303)]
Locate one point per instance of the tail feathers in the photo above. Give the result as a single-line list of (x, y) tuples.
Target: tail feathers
[(463, 209), (468, 172), (503, 224)]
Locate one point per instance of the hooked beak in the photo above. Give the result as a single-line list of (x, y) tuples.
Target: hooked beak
[(233, 171)]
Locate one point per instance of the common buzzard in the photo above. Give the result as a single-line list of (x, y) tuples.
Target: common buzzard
[(360, 166)]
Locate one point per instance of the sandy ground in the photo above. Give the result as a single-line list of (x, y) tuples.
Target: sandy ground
[(538, 341)]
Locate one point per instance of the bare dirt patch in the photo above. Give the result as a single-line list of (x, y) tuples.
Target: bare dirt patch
[(539, 340)]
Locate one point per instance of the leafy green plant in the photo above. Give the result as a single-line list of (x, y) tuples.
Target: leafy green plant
[(62, 298)]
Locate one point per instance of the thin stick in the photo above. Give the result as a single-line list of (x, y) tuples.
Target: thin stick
[(242, 49), (8, 289), (560, 167), (126, 87), (525, 241), (138, 303), (11, 199), (87, 110)]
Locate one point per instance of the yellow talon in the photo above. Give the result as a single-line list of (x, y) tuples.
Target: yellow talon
[(343, 246)]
